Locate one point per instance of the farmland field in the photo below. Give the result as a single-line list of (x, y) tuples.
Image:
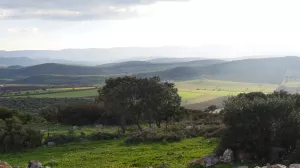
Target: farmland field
[(197, 91), (49, 90), (71, 94)]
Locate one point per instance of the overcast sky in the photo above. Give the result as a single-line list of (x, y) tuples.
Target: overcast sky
[(246, 27)]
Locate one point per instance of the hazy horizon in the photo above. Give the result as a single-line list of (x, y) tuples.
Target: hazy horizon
[(216, 28)]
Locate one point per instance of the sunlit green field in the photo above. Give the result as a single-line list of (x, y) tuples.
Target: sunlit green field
[(115, 154), (73, 94), (49, 90), (197, 91)]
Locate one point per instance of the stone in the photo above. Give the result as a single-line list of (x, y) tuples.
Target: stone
[(50, 143), (294, 166), (195, 162), (242, 167), (278, 166), (228, 156), (208, 161), (164, 165), (4, 165), (243, 157), (257, 167), (34, 164), (189, 127)]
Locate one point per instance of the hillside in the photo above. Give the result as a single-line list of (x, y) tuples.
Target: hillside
[(106, 69), (266, 70)]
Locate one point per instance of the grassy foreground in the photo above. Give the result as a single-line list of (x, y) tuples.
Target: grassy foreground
[(115, 154)]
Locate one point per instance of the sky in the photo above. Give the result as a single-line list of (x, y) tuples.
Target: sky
[(245, 27)]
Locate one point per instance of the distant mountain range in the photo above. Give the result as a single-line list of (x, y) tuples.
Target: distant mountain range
[(264, 70), (99, 56)]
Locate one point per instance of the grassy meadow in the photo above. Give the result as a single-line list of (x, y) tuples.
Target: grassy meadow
[(116, 154)]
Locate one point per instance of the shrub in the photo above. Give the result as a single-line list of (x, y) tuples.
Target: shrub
[(14, 137), (102, 136), (78, 114), (61, 139), (149, 136), (257, 123)]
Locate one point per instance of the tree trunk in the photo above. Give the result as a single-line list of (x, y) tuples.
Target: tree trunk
[(150, 124), (123, 124), (138, 124), (158, 124)]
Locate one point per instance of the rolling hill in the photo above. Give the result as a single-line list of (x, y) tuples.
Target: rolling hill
[(116, 68), (265, 70)]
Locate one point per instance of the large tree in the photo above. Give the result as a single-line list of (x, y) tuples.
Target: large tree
[(132, 98)]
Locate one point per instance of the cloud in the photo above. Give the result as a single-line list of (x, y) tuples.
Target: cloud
[(25, 30), (72, 9)]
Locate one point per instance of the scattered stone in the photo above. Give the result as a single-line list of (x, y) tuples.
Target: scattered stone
[(42, 131), (75, 127), (257, 167), (50, 143), (16, 167), (294, 166), (242, 167), (4, 165), (228, 156), (164, 165), (278, 166), (195, 162), (205, 161), (188, 127), (34, 164)]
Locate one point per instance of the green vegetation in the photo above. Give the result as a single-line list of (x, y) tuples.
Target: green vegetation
[(263, 127), (48, 91), (115, 154), (70, 94), (35, 105), (197, 91)]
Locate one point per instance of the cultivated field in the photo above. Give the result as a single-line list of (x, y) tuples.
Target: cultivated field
[(192, 92), (197, 91)]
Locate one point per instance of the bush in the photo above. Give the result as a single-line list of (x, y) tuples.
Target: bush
[(78, 114), (257, 123), (149, 136), (14, 137), (61, 139), (102, 136)]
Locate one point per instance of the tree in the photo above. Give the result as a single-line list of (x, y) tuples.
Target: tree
[(132, 98)]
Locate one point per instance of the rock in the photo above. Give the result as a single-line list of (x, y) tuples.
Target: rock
[(257, 167), (278, 166), (207, 161), (294, 166), (242, 167), (228, 156), (50, 143), (195, 162), (4, 165), (34, 164), (188, 127), (164, 165), (243, 157), (75, 127)]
